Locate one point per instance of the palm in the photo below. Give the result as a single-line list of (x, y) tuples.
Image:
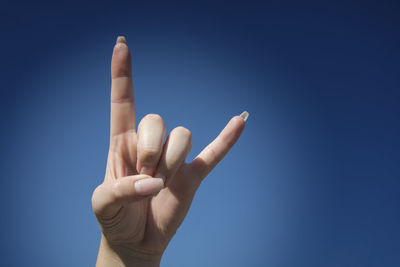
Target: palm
[(148, 187), (122, 162), (152, 219)]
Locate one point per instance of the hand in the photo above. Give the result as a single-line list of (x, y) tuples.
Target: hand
[(148, 187)]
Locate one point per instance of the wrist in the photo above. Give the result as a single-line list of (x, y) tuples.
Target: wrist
[(112, 255)]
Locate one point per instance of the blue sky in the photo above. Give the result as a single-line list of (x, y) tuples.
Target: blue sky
[(314, 179)]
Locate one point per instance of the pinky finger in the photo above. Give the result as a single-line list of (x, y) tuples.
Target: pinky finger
[(210, 156)]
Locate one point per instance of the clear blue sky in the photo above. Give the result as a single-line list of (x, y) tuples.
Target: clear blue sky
[(314, 179)]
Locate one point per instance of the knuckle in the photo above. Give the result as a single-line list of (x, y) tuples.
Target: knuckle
[(172, 161), (153, 117), (183, 132), (116, 191), (149, 154), (122, 99), (101, 199), (212, 152), (229, 142), (95, 194)]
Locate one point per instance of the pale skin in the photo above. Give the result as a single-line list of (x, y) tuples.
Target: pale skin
[(148, 186)]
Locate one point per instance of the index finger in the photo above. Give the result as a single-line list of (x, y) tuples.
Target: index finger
[(210, 156), (122, 98)]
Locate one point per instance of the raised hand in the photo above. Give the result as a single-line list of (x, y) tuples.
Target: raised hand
[(148, 187)]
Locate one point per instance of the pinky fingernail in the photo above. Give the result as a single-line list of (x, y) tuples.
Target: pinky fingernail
[(244, 115)]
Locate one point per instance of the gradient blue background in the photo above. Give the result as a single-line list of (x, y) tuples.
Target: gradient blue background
[(313, 181)]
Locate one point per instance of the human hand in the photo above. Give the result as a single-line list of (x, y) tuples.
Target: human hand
[(148, 187)]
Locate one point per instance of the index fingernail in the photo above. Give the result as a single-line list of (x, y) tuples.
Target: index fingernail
[(121, 39), (244, 115)]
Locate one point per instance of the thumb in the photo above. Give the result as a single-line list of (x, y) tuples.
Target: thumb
[(109, 197)]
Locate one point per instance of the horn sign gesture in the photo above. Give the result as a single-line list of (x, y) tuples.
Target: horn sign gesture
[(148, 187)]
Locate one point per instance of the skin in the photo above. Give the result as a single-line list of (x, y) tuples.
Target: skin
[(137, 225)]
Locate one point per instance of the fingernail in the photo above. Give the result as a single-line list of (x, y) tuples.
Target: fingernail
[(121, 39), (160, 175), (146, 170), (149, 186), (244, 115)]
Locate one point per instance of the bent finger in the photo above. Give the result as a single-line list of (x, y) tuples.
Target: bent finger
[(176, 148), (151, 134)]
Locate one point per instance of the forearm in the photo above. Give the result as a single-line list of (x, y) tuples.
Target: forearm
[(113, 256)]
